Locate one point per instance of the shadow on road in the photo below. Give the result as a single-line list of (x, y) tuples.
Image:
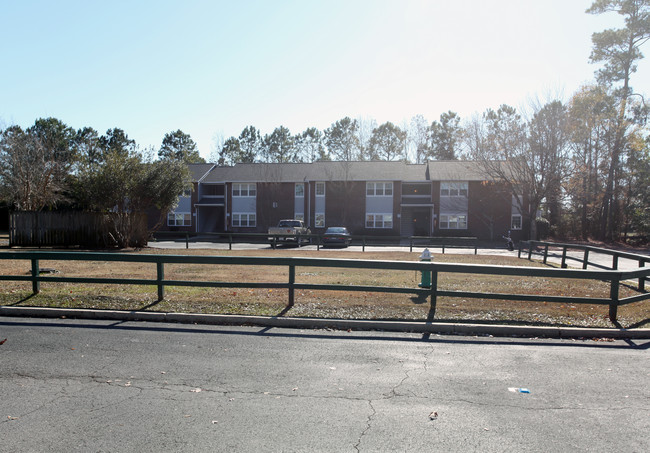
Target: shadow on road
[(335, 335)]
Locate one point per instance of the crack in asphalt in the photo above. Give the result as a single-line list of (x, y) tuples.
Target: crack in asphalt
[(59, 395), (389, 395), (373, 412)]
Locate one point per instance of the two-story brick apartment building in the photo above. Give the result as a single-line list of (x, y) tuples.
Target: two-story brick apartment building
[(438, 198)]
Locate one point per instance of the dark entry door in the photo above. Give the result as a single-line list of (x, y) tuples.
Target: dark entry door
[(422, 222)]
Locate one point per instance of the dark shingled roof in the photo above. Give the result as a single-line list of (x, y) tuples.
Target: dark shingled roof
[(347, 171), (198, 171)]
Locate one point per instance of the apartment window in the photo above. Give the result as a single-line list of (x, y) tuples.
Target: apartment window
[(379, 189), (244, 190), (300, 190), (452, 222), (243, 219), (179, 219), (319, 220), (379, 220), (320, 189), (453, 189), (515, 223)]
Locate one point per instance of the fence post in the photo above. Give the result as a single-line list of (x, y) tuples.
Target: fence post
[(615, 261), (585, 259), (545, 253), (37, 232), (521, 244), (160, 276), (230, 241), (613, 296), (530, 250), (36, 285), (292, 281), (187, 240), (363, 239), (411, 243), (563, 266), (641, 279), (434, 295)]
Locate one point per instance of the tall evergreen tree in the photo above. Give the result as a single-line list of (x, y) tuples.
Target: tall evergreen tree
[(619, 51), (230, 152), (309, 145), (179, 146), (250, 144), (342, 140), (388, 142), (279, 146), (446, 137), (116, 140)]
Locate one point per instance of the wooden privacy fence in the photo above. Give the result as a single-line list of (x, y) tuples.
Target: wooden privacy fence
[(433, 292), (76, 228)]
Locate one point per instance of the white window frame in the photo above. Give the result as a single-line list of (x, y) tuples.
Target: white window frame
[(319, 220), (179, 219), (379, 189), (379, 220), (237, 219), (244, 190), (320, 189), (454, 189), (300, 190), (512, 222), (452, 222)]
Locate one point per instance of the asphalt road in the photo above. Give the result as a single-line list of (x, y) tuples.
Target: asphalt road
[(69, 385)]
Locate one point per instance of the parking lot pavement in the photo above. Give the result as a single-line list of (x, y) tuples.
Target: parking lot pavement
[(597, 261)]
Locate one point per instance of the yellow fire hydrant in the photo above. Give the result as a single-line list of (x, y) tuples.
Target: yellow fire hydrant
[(426, 275)]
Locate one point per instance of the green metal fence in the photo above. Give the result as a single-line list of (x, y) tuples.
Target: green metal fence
[(614, 277), (542, 249)]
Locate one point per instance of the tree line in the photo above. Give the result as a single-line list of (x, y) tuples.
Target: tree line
[(50, 165), (583, 164), (348, 140)]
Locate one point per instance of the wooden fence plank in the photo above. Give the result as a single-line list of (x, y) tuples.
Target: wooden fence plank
[(72, 229)]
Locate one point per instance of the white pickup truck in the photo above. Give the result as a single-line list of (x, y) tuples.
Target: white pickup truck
[(289, 231)]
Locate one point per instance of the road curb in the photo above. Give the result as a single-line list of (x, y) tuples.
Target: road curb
[(340, 324)]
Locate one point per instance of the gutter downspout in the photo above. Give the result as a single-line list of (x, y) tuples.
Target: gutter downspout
[(225, 206)]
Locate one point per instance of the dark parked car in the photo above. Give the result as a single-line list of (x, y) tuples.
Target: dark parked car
[(337, 236)]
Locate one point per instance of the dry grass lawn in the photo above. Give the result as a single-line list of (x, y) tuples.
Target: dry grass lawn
[(328, 304)]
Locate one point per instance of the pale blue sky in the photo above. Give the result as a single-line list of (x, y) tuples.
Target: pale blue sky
[(215, 67)]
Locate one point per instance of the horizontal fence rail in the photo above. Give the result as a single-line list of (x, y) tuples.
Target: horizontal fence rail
[(363, 241), (542, 248), (291, 263)]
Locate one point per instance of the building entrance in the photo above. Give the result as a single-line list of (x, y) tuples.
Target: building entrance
[(422, 222)]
